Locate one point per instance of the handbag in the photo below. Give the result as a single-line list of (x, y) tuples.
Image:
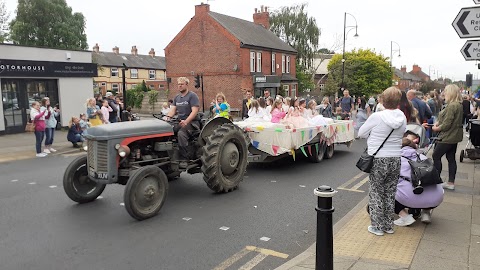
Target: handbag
[(365, 162), (30, 127)]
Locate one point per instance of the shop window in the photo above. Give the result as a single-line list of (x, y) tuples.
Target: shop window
[(259, 62), (115, 87), (134, 73), (114, 72), (151, 74), (283, 63), (288, 64), (273, 63), (252, 61)]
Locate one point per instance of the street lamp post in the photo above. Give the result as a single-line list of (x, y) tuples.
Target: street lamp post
[(392, 51), (429, 68), (344, 39)]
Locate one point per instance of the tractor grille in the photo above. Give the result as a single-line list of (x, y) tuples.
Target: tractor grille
[(98, 155)]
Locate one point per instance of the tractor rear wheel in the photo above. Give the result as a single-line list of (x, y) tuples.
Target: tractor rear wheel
[(145, 192), (224, 158)]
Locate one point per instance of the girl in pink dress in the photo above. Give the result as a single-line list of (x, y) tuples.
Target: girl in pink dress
[(277, 113)]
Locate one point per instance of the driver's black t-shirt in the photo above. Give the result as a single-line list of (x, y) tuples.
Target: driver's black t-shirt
[(184, 104)]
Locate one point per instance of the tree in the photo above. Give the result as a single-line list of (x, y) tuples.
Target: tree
[(295, 27), (48, 23), (366, 73), (305, 83), (4, 16)]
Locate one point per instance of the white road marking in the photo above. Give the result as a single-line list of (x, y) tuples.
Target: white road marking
[(187, 218), (301, 185), (253, 262), (32, 183), (14, 180), (122, 204), (52, 186), (266, 239), (273, 181), (230, 261), (99, 197), (223, 228)]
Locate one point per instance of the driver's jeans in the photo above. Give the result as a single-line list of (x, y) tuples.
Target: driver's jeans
[(183, 138)]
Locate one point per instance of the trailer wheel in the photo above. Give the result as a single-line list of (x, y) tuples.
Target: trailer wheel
[(317, 157), (145, 192), (224, 158), (77, 185), (330, 151), (462, 155)]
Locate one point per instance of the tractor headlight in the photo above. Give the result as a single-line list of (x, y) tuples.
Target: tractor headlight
[(117, 146), (123, 150), (85, 148)]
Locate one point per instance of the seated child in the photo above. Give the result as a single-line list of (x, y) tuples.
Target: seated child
[(277, 113), (295, 117), (339, 115), (256, 113)]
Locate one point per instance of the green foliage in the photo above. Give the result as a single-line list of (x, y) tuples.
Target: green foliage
[(427, 87), (4, 15), (152, 98), (305, 82), (135, 97), (331, 86), (366, 73), (144, 87), (294, 26), (48, 23)]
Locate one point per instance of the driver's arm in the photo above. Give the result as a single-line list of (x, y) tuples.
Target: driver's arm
[(192, 115), (172, 112)]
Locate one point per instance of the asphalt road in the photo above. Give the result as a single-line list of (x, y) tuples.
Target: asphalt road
[(40, 228)]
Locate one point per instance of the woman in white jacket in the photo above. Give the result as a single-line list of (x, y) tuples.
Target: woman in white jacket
[(385, 126)]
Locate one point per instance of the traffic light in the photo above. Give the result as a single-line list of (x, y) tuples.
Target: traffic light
[(469, 80), (197, 81)]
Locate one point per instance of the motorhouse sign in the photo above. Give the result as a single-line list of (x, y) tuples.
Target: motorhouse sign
[(23, 68)]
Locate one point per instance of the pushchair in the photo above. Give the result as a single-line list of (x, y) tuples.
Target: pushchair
[(472, 149)]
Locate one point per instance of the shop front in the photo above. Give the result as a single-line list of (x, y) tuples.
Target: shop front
[(66, 81), (262, 83)]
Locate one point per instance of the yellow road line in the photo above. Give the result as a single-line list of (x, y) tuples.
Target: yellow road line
[(234, 258), (344, 185), (361, 183), (253, 262), (267, 252)]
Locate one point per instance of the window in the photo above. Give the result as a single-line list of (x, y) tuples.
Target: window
[(115, 87), (294, 90), (286, 89), (103, 84), (322, 86), (161, 86), (152, 86), (288, 64), (134, 73), (134, 86), (151, 74), (283, 63), (273, 63), (259, 62), (114, 72), (252, 61)]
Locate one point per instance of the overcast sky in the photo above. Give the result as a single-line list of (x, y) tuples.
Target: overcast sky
[(422, 28)]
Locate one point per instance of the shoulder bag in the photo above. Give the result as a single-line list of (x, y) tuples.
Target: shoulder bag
[(30, 127), (365, 162)]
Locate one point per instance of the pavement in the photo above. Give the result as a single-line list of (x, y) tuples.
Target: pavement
[(451, 241)]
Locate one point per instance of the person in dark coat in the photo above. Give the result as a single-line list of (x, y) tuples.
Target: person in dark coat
[(75, 132), (113, 117), (246, 104)]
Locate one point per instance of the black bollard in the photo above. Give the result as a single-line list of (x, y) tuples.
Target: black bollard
[(324, 248)]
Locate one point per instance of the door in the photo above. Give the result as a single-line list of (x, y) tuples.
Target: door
[(14, 108)]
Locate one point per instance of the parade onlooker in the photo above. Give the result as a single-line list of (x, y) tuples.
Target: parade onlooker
[(37, 115), (361, 116), (379, 107), (432, 104), (246, 103), (222, 108), (407, 108), (371, 103), (106, 110), (84, 124), (449, 125), (467, 110), (114, 106), (119, 102), (339, 115), (386, 127), (95, 116), (75, 132), (50, 124), (347, 102), (266, 94), (325, 108), (99, 100), (424, 112)]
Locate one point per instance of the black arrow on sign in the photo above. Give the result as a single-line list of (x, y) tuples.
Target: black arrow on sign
[(460, 23), (466, 50)]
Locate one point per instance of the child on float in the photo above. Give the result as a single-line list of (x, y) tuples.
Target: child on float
[(222, 108), (278, 113)]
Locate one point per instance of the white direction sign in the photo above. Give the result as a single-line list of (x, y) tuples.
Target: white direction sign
[(471, 50), (467, 22)]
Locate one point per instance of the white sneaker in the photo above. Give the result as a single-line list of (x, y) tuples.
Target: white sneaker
[(46, 151), (389, 231), (404, 221), (375, 231), (42, 155), (448, 186), (52, 150), (426, 216)]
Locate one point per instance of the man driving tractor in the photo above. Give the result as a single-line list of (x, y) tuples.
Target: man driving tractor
[(186, 104)]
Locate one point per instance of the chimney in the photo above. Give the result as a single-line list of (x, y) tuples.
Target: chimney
[(134, 50), (96, 48), (416, 69), (202, 9), (262, 18), (403, 69), (151, 52), (116, 50)]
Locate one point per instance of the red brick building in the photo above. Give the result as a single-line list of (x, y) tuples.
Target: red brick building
[(417, 71), (233, 55)]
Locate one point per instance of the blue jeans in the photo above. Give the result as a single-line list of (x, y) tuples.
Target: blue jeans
[(49, 133), (39, 135), (76, 139)]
